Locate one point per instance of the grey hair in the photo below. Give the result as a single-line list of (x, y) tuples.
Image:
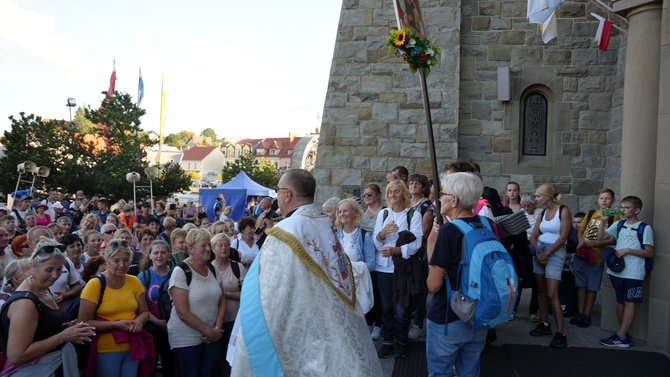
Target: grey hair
[(527, 197), (331, 203), (466, 186), (38, 257)]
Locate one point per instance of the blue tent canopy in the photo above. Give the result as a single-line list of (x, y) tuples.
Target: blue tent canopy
[(235, 192)]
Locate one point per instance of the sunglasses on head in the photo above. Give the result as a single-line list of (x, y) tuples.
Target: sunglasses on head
[(50, 248), (118, 243)]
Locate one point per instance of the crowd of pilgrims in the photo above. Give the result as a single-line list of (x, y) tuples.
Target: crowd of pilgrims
[(108, 263)]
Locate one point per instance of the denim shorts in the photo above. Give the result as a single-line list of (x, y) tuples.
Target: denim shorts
[(587, 275), (554, 267)]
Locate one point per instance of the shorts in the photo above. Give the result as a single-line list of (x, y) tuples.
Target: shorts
[(587, 275), (554, 267), (627, 290)]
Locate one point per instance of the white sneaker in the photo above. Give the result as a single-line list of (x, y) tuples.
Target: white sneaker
[(416, 332), (376, 333), (535, 317)]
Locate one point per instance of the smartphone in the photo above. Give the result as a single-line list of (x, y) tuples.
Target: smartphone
[(357, 192)]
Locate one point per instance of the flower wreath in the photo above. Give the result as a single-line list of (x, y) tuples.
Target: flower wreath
[(416, 52)]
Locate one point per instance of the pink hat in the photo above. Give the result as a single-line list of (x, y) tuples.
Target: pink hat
[(42, 205)]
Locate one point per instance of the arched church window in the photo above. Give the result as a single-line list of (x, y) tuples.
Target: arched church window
[(535, 124)]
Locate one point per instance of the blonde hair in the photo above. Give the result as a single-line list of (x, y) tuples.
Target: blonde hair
[(218, 238), (196, 235), (355, 210), (407, 198), (549, 191), (14, 269)]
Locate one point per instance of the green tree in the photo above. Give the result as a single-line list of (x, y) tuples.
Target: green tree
[(119, 120), (210, 133), (52, 144), (172, 178), (173, 140), (185, 135), (262, 172), (83, 125)]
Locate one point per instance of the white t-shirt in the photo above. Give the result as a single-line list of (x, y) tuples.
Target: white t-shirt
[(246, 253), (65, 280), (349, 244), (627, 239), (203, 301)]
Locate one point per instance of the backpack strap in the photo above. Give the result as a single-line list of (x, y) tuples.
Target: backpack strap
[(640, 233), (385, 215), (103, 286), (189, 273), (236, 271), (147, 277), (424, 207)]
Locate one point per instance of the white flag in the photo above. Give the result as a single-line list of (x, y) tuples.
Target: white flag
[(539, 11), (549, 29)]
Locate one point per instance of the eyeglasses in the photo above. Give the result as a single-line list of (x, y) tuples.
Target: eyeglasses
[(118, 243), (368, 194), (277, 188), (444, 193), (109, 231), (25, 246)]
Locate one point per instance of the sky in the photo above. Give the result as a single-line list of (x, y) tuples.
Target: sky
[(244, 68)]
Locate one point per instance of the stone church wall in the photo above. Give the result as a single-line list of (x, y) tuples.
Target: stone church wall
[(373, 113)]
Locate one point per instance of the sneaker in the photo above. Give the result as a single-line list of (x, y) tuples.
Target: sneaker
[(400, 350), (614, 341), (535, 317), (577, 319), (416, 332), (585, 322), (376, 333), (511, 317), (559, 341), (541, 329), (385, 351)]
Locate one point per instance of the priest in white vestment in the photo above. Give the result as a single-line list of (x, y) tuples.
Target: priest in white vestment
[(298, 313)]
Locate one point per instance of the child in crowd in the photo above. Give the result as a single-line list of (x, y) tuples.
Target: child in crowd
[(627, 283)]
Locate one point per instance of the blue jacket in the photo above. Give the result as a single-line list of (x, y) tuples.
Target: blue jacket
[(366, 249)]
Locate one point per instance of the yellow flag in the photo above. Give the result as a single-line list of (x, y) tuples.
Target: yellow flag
[(162, 122)]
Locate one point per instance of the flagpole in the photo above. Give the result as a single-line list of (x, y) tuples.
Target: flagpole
[(431, 142)]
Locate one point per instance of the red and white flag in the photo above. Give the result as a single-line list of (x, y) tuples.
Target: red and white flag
[(112, 82), (604, 32)]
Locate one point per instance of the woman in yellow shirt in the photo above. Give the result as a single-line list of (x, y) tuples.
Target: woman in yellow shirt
[(122, 313)]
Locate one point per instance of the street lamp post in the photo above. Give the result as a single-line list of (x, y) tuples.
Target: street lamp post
[(71, 102), (134, 177)]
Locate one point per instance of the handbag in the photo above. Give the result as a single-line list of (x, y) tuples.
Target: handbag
[(586, 254), (512, 225)]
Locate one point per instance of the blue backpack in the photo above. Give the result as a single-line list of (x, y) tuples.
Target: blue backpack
[(486, 275)]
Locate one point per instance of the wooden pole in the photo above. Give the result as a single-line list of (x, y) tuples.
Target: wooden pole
[(431, 143)]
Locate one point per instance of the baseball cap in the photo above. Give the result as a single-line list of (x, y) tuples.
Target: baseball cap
[(26, 197)]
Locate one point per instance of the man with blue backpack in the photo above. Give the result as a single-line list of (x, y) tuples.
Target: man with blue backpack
[(473, 279), (627, 264)]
